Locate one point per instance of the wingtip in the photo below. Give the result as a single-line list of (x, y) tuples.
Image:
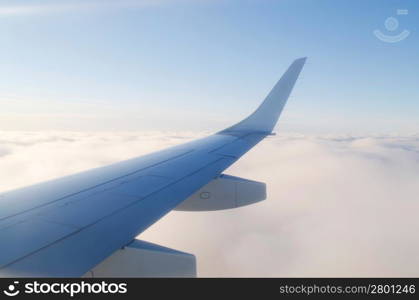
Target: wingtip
[(265, 117), (301, 59)]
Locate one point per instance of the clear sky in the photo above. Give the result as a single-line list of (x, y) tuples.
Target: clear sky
[(204, 64)]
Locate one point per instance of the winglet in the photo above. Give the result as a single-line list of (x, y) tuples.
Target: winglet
[(264, 118)]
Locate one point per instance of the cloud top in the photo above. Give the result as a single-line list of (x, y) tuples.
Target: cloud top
[(337, 205)]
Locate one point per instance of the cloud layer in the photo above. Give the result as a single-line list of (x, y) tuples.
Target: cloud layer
[(337, 205)]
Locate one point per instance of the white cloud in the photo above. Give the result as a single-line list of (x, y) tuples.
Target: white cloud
[(31, 157), (337, 205)]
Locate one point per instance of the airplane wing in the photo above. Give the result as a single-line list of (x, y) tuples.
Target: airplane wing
[(78, 224)]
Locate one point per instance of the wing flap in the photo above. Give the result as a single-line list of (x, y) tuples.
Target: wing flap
[(23, 238)]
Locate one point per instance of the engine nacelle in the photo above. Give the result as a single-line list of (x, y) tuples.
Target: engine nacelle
[(225, 192)]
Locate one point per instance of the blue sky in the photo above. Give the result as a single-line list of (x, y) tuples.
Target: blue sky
[(179, 64)]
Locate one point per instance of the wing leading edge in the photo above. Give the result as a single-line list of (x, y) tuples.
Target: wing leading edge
[(67, 226)]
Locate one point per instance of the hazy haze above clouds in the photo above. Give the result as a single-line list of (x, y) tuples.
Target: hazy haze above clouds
[(337, 205)]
